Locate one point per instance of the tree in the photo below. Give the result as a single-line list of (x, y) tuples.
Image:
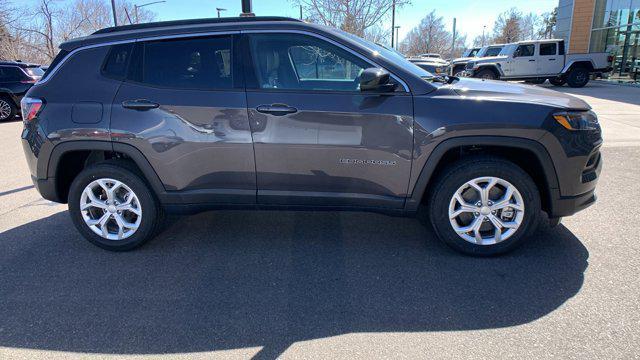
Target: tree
[(359, 17), (507, 27), (40, 29), (429, 36), (548, 24), (530, 27)]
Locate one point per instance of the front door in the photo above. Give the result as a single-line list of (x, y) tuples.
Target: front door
[(524, 62), (318, 139), (184, 106)]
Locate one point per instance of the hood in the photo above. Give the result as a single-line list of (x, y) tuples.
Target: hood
[(490, 59), (504, 91), (463, 59)]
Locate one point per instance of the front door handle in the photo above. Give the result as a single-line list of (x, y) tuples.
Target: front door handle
[(276, 109), (531, 60), (140, 105), (552, 59)]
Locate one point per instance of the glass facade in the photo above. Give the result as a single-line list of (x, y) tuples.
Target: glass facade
[(616, 30)]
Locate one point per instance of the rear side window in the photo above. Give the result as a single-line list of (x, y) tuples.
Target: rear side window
[(10, 73), (561, 49), (199, 63), (548, 49), (61, 55), (115, 65)]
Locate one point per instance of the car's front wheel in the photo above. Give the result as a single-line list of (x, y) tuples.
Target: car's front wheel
[(113, 207), (557, 81), (484, 206)]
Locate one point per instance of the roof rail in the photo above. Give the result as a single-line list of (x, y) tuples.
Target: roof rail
[(161, 24)]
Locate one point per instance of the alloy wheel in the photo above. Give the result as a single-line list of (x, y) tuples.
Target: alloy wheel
[(110, 209), (486, 210), (5, 110)]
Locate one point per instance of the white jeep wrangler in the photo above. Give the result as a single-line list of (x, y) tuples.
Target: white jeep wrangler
[(538, 60)]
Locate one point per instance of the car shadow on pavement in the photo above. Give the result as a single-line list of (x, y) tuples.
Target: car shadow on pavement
[(229, 280)]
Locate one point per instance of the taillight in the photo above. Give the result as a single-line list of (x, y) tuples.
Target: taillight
[(610, 58), (29, 81), (30, 107)]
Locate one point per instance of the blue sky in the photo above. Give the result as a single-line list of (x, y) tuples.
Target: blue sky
[(471, 14)]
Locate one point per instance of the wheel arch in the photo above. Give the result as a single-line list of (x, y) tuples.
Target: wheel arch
[(67, 159), (493, 67), (584, 63), (541, 169)]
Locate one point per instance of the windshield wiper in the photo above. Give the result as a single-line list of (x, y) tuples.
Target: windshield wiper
[(445, 79)]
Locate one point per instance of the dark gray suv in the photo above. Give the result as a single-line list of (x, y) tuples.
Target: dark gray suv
[(272, 113)]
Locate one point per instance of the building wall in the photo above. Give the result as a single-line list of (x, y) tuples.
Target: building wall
[(563, 21), (581, 26)]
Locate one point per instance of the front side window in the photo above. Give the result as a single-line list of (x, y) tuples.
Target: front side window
[(525, 50), (548, 49), (198, 63), (301, 62)]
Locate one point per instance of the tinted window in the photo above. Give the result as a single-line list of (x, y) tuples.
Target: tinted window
[(525, 50), (61, 55), (548, 49), (11, 73), (493, 51), (202, 63), (561, 49), (117, 61), (300, 62)]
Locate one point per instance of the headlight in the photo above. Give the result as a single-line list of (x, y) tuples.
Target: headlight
[(579, 120)]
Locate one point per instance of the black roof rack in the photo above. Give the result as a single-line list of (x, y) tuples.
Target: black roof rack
[(160, 24)]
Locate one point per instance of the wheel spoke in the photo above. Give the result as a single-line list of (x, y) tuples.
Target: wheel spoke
[(103, 224), (129, 208), (465, 207), (93, 200)]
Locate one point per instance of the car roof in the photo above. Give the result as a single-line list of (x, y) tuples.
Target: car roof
[(177, 27)]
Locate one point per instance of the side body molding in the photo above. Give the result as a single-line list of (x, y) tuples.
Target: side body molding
[(425, 177)]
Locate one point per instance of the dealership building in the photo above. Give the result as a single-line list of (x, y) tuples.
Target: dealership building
[(611, 26)]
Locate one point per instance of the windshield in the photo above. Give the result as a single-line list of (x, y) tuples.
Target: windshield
[(493, 51), (391, 56), (473, 52), (505, 50)]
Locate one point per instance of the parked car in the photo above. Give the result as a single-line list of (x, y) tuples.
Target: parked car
[(537, 61), (436, 58), (431, 66), (458, 65), (275, 113), (16, 78)]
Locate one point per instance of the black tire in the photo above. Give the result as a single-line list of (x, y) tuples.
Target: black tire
[(8, 109), (455, 176), (152, 213), (558, 81), (486, 74), (578, 77)]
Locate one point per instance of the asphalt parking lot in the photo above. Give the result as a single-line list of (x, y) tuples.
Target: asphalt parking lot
[(326, 284)]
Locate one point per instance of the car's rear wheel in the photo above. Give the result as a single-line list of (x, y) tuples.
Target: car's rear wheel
[(578, 77), (8, 109), (484, 206), (557, 81), (113, 207), (486, 74)]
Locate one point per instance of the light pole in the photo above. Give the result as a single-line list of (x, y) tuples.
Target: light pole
[(136, 7), (483, 28), (397, 38), (393, 20), (220, 9), (113, 9)]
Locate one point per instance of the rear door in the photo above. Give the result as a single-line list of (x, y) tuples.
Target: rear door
[(318, 139), (549, 61), (183, 105)]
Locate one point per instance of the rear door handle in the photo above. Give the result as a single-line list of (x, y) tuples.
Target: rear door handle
[(276, 109), (139, 104), (532, 60), (552, 59)]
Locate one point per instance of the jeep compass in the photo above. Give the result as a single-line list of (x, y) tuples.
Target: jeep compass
[(135, 121)]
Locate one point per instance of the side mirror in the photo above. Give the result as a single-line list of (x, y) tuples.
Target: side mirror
[(376, 79), (516, 54)]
